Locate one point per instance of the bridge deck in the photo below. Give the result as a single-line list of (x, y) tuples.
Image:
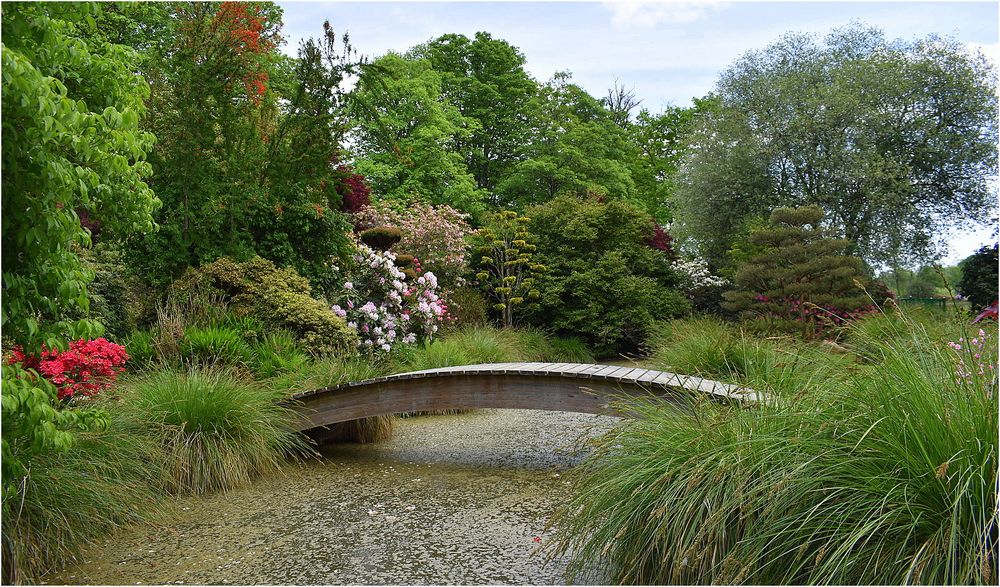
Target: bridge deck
[(577, 387)]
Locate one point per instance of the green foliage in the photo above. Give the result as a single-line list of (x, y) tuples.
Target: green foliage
[(71, 119), (214, 344), (476, 345), (888, 477), (109, 479), (141, 348), (979, 277), (276, 353), (800, 273), (218, 432), (603, 283), (277, 296), (119, 300), (503, 256), (240, 176), (407, 134), (575, 146), (895, 140), (381, 238), (485, 79), (468, 306), (713, 349)]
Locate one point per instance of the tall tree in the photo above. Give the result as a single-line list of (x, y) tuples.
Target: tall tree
[(574, 146), (485, 79), (896, 141), (407, 136)]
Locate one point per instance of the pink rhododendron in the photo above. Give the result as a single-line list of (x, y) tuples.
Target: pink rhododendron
[(86, 368)]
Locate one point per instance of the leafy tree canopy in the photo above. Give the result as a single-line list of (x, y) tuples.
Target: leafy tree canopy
[(896, 141), (407, 136), (485, 79)]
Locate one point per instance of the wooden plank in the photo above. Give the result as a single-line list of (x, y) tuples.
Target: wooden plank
[(590, 370), (607, 370)]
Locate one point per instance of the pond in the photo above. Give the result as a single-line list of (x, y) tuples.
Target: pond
[(450, 499)]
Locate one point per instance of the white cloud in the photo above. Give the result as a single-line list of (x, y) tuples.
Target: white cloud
[(649, 13)]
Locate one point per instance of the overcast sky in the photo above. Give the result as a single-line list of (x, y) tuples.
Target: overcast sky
[(668, 52)]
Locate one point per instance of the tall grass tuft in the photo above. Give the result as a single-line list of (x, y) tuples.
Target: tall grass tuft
[(276, 352), (888, 477), (105, 481), (218, 432), (211, 345)]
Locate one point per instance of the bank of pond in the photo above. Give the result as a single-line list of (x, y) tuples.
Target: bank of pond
[(873, 461)]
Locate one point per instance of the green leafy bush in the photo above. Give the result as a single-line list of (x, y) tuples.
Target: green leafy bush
[(218, 432), (604, 283), (276, 296), (381, 238), (214, 344), (887, 478), (468, 306), (979, 277)]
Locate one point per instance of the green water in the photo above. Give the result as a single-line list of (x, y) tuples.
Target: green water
[(450, 499)]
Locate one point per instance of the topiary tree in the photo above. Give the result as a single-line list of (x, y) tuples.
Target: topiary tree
[(381, 238), (800, 274), (507, 272), (979, 277)]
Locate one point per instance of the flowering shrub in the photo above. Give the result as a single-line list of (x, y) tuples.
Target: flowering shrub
[(698, 284), (88, 367), (975, 359), (383, 308), (434, 234)]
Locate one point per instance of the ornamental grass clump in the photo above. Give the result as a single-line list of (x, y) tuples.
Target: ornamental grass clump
[(218, 432), (104, 481), (889, 477)]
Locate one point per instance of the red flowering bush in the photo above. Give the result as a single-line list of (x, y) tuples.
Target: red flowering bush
[(88, 367)]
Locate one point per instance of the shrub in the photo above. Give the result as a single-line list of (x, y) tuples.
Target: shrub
[(278, 297), (381, 238), (603, 283), (434, 234), (141, 348), (507, 272), (86, 368), (214, 344), (118, 299), (699, 285), (354, 191), (979, 277), (382, 309), (887, 478), (801, 276), (218, 432), (468, 307)]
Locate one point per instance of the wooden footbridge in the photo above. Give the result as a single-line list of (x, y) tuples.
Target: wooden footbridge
[(569, 387)]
